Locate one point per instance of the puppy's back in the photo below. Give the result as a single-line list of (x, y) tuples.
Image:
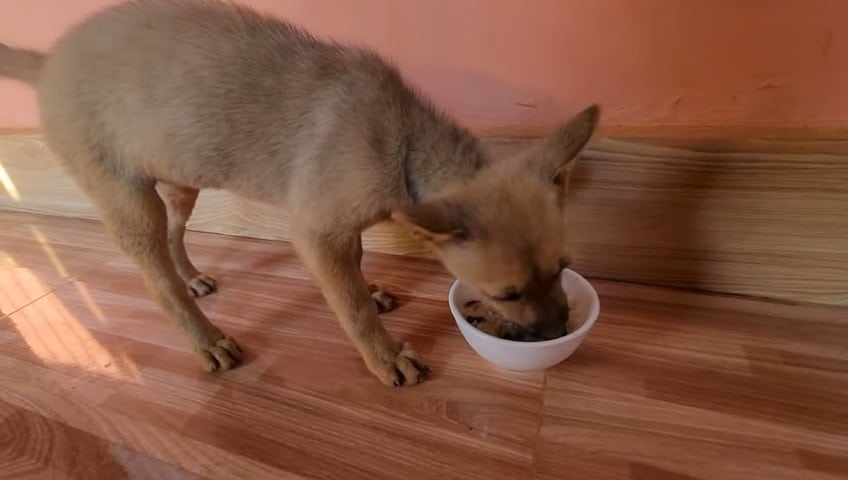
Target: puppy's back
[(210, 83)]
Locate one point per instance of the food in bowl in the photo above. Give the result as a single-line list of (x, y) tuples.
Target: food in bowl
[(488, 320)]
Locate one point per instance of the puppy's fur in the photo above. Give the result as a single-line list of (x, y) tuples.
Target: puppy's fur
[(146, 103)]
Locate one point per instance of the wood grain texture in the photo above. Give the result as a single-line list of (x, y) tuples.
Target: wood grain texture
[(755, 216), (670, 384)]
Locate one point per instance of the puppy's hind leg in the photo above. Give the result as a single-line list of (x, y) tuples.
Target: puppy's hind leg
[(135, 215), (179, 203)]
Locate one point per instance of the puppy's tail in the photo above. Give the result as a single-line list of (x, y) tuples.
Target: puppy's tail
[(21, 64)]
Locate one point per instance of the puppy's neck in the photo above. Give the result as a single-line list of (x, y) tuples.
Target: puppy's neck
[(438, 153)]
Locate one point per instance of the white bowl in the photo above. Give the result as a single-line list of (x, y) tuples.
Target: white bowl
[(584, 307)]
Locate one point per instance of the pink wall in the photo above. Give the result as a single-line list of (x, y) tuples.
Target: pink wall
[(516, 65)]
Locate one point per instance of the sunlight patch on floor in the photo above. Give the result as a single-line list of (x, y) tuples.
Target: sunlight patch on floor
[(8, 184), (56, 336)]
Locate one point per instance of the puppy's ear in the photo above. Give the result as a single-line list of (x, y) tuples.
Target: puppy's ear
[(553, 156), (436, 222)]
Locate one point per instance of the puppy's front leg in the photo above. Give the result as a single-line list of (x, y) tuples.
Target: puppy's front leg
[(334, 264)]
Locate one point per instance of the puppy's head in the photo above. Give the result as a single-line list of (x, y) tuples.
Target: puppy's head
[(504, 232)]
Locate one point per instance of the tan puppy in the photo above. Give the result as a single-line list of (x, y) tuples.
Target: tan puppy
[(148, 102)]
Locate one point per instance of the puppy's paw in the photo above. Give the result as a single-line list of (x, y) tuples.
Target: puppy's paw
[(386, 302), (202, 285), (220, 356), (404, 368)]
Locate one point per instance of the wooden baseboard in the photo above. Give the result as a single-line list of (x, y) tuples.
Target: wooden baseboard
[(756, 216)]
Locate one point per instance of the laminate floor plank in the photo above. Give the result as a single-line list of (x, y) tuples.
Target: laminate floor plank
[(670, 384)]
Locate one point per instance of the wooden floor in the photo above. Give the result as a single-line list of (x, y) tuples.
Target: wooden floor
[(670, 384)]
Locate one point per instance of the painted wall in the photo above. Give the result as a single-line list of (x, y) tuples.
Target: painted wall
[(512, 66)]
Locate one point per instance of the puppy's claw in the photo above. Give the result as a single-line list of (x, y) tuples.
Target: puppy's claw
[(224, 355), (202, 285), (386, 302), (404, 368)]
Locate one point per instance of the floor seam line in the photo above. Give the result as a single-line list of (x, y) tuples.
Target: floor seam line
[(533, 470), (49, 292)]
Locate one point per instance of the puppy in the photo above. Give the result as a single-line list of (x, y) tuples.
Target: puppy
[(146, 103)]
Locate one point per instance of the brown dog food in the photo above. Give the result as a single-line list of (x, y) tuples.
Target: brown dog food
[(488, 320)]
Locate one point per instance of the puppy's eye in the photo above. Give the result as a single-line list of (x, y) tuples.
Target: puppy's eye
[(510, 297)]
